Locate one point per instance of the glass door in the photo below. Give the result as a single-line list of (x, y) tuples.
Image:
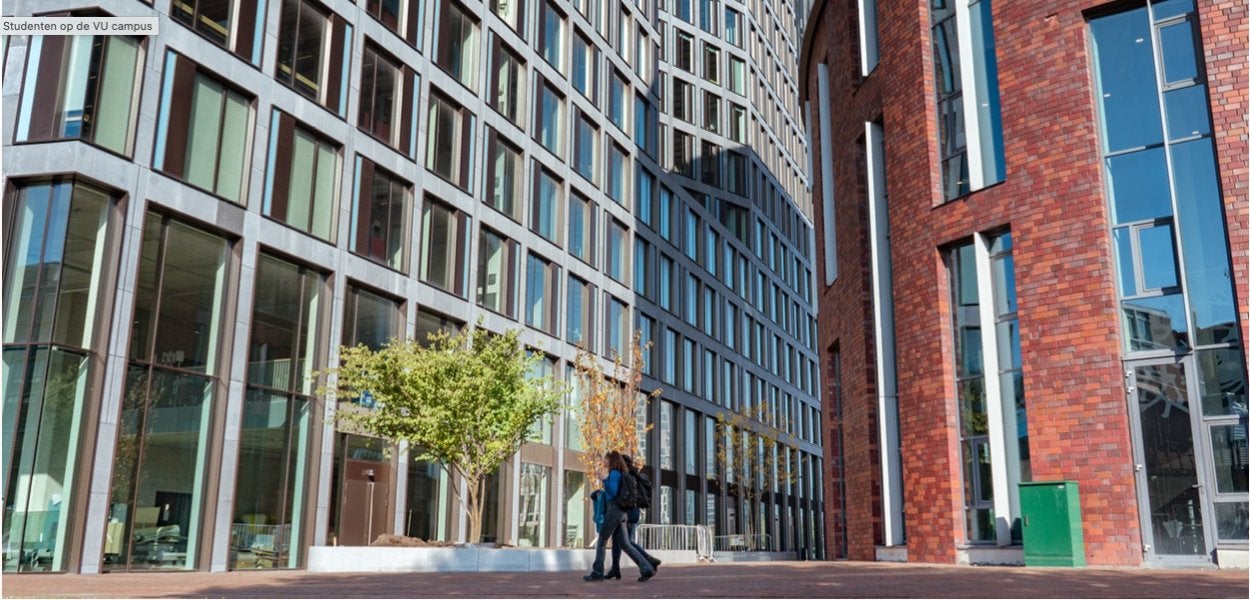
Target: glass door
[(1169, 480)]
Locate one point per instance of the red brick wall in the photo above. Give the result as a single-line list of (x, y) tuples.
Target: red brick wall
[(1054, 204)]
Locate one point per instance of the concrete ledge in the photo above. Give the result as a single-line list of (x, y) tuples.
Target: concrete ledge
[(993, 555), (1232, 559), (892, 554), (390, 559)]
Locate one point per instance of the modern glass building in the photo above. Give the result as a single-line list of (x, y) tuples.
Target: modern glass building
[(194, 222), (1042, 207)]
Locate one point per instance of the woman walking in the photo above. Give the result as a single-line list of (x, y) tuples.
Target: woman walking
[(633, 516), (614, 526)]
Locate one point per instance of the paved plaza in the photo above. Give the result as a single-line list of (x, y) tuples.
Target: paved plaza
[(751, 580)]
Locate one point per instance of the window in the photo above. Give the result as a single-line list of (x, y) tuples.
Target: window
[(689, 365), (548, 200), (430, 323), (283, 351), (709, 162), (646, 326), (582, 228), (82, 87), (683, 10), (178, 319), (644, 125), (60, 237), (711, 63), (737, 123), (617, 91), (449, 140), (708, 12), (585, 66), (542, 294), (737, 76), (683, 57), (618, 164), (212, 19), (666, 434), (386, 99), (370, 319), (624, 29), (457, 47), (580, 311), (736, 167), (667, 272), (971, 159), (550, 114), (683, 152), (643, 254), (970, 389), (585, 147), (551, 36), (733, 33), (683, 100), (617, 325), (618, 239), (381, 216), (496, 272), (206, 146), (313, 47), (511, 12), (504, 176), (867, 36), (711, 112), (532, 511), (509, 82), (644, 187), (302, 187), (443, 246), (400, 16)]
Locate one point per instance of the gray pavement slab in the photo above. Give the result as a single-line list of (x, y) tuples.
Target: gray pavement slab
[(739, 580)]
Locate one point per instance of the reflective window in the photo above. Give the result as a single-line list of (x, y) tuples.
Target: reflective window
[(157, 495), (585, 66), (504, 177), (550, 113), (442, 246), (508, 84), (382, 212), (371, 319), (542, 294), (545, 217), (532, 507), (617, 322), (512, 12), (551, 35), (94, 96), (580, 312), (576, 499), (582, 228), (970, 393), (618, 163), (585, 147), (457, 46), (449, 134), (302, 187), (386, 90), (496, 272), (313, 47)]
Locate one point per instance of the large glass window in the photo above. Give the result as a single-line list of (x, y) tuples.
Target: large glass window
[(618, 243), (545, 218), (313, 47), (449, 136), (386, 90), (371, 319), (443, 246), (504, 177), (383, 204), (81, 87), (551, 35), (585, 66), (970, 390), (532, 508), (457, 47), (616, 322), (542, 294), (55, 279), (618, 164), (425, 490), (511, 12), (582, 228), (302, 187), (400, 16), (509, 83), (576, 499), (618, 91), (585, 147), (550, 113), (157, 496), (234, 24), (272, 481), (496, 272), (580, 312), (209, 145)]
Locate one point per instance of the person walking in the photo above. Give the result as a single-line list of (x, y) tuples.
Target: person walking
[(614, 519), (632, 519)]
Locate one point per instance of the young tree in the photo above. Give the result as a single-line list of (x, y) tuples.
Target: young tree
[(467, 400), (755, 455), (608, 411)]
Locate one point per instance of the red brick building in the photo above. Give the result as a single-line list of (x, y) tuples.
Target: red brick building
[(1031, 223)]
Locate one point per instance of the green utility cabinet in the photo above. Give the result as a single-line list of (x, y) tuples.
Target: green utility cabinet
[(1051, 512)]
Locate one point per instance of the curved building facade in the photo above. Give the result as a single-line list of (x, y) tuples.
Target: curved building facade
[(196, 221), (1031, 222)]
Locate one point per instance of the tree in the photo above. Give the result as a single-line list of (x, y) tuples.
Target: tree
[(608, 412), (466, 400), (751, 446)]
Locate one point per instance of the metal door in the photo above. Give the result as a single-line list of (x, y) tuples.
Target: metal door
[(1171, 496)]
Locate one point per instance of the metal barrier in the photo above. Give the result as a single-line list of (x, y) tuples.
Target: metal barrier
[(677, 537), (757, 542)]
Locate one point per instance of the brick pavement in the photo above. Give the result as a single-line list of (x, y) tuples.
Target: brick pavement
[(751, 580)]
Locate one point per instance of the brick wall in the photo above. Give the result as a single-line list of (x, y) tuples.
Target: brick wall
[(1053, 202)]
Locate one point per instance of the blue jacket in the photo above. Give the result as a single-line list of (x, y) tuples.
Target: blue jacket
[(612, 484), (601, 507)]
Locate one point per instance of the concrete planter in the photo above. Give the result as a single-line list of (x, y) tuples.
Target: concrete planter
[(392, 559)]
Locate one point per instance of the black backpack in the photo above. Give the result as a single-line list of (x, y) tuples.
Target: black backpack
[(644, 488), (627, 495)]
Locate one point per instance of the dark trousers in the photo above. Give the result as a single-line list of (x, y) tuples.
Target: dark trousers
[(615, 526), (630, 527)]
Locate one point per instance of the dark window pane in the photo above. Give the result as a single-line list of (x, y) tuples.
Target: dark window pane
[(1177, 47), (1156, 323), (1187, 112), (1201, 220), (1158, 257), (1222, 382), (1138, 184)]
